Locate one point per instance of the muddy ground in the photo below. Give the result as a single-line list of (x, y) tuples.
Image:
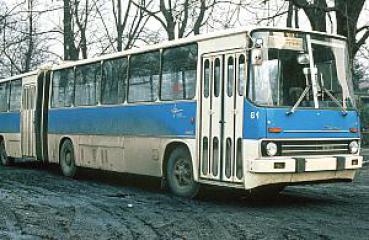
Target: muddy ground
[(38, 203)]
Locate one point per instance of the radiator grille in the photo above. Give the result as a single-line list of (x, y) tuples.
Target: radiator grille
[(322, 147)]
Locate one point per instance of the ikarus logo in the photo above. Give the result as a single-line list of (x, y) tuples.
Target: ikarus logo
[(330, 127)]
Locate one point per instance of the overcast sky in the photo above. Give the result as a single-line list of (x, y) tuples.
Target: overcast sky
[(53, 20)]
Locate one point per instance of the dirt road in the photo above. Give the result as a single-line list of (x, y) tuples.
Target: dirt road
[(41, 204)]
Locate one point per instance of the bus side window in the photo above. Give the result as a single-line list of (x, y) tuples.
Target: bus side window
[(4, 96), (241, 74), (144, 77), (15, 95), (230, 77), (206, 78), (179, 73), (62, 88), (87, 77), (114, 81), (217, 77)]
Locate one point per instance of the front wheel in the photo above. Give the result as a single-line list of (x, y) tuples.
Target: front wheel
[(5, 160), (67, 160), (180, 174)]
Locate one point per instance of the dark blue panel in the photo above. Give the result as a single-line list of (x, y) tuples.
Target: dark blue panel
[(166, 119), (10, 122), (303, 121), (254, 121)]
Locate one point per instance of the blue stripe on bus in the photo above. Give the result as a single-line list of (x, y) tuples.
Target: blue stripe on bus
[(164, 119), (10, 122)]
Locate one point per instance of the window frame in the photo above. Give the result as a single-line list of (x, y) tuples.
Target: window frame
[(10, 95), (51, 93), (159, 51), (97, 94), (125, 83), (7, 89), (195, 44)]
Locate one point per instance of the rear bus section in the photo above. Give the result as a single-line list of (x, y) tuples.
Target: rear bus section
[(22, 117)]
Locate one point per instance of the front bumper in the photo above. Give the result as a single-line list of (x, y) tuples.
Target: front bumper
[(305, 164)]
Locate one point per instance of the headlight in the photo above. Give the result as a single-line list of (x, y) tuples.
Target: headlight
[(271, 149), (354, 147)]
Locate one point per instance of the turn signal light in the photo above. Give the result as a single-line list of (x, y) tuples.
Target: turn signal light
[(353, 130), (275, 130)]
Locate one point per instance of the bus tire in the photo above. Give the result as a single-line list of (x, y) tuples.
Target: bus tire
[(180, 174), (5, 160), (67, 159)]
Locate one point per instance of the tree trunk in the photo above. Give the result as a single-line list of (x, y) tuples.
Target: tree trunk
[(70, 51), (289, 15), (84, 44), (297, 25), (347, 18), (29, 53), (315, 11)]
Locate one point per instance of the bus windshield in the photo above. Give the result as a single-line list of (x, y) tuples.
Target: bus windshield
[(301, 69)]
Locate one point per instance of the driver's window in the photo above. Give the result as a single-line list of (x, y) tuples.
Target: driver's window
[(265, 89)]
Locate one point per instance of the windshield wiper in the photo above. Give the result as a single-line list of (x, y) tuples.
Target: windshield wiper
[(322, 87), (344, 110), (303, 94), (335, 100), (292, 110)]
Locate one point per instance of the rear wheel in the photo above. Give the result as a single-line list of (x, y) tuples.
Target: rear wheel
[(67, 159), (5, 160), (180, 174)]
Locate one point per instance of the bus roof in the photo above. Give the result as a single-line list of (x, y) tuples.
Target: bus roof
[(181, 41), (171, 43), (34, 72)]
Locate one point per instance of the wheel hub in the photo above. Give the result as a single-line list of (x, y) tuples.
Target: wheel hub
[(182, 173), (68, 159)]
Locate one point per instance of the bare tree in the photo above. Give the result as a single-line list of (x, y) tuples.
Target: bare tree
[(346, 15), (22, 45), (183, 16), (75, 23), (129, 22)]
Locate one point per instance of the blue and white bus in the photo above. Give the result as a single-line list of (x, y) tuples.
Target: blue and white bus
[(243, 108)]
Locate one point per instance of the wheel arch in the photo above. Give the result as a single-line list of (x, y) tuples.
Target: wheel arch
[(61, 142), (3, 140), (169, 148)]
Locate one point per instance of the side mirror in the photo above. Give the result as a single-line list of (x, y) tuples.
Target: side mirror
[(259, 42), (256, 56)]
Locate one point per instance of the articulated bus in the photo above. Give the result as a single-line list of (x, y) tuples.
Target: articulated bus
[(244, 109)]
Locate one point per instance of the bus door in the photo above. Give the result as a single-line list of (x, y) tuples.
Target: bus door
[(28, 120), (221, 116)]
